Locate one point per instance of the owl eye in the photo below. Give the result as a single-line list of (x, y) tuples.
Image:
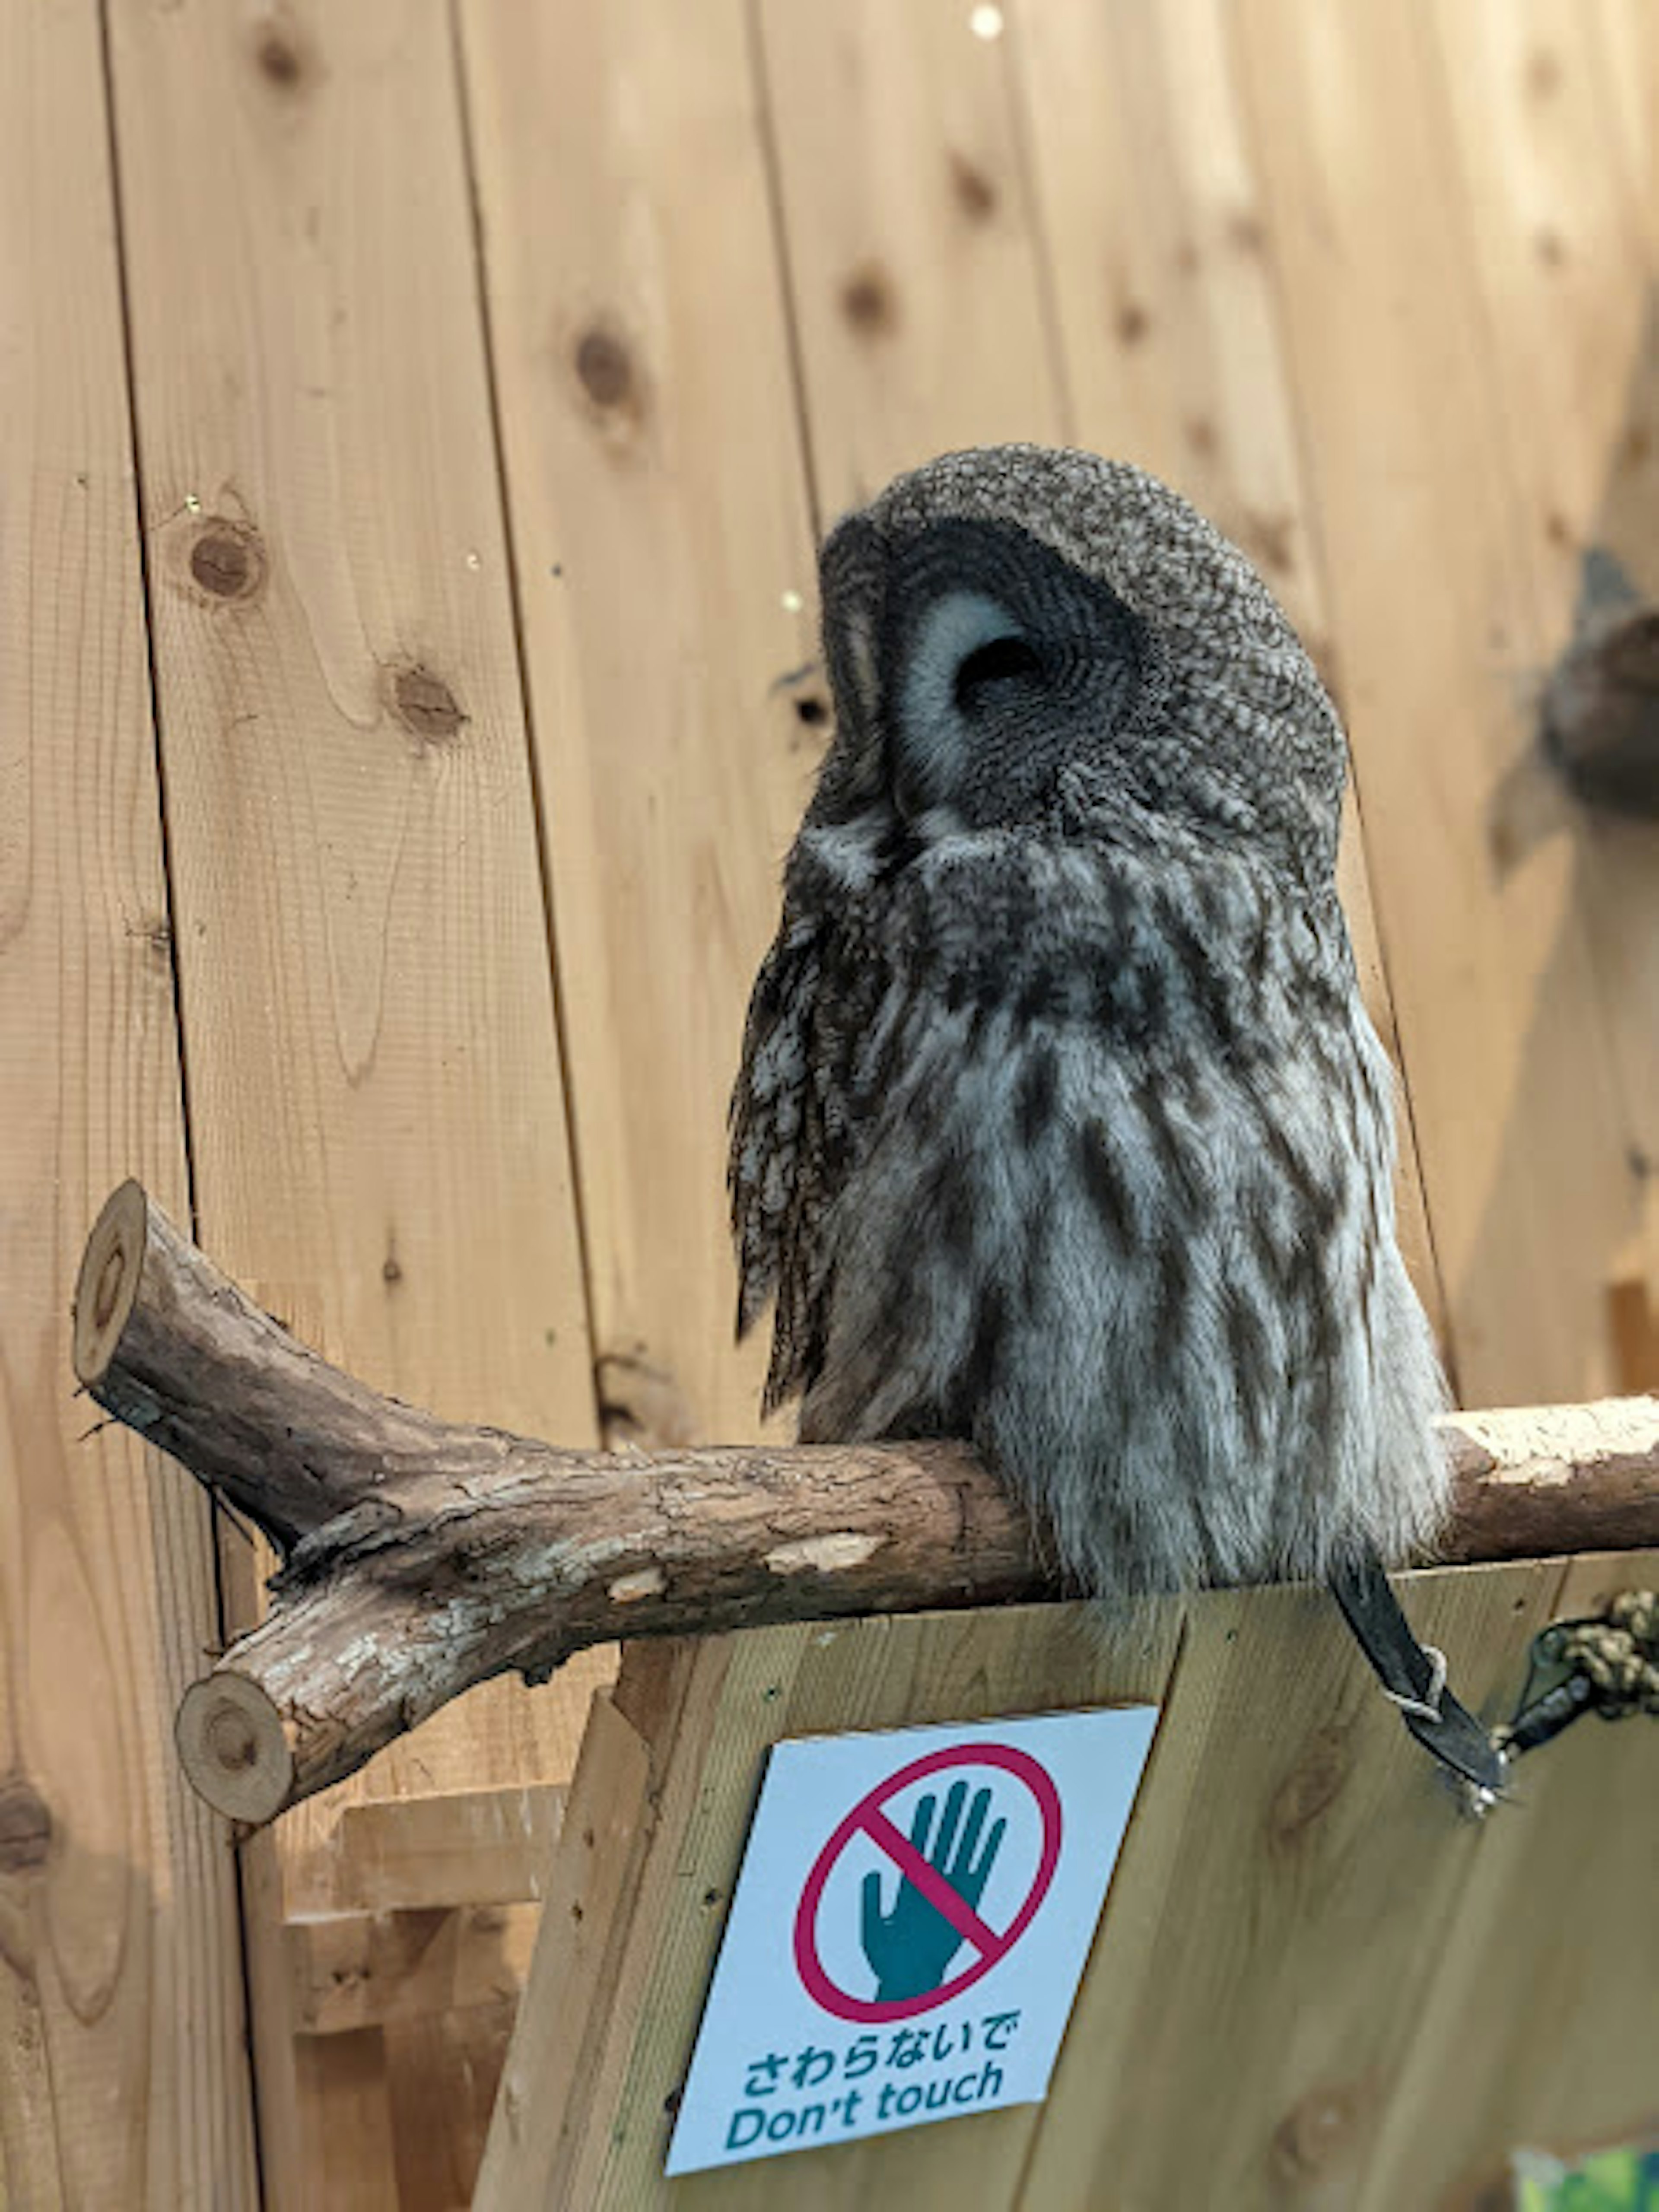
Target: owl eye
[(985, 670)]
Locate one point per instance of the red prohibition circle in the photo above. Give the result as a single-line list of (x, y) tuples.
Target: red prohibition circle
[(868, 1820)]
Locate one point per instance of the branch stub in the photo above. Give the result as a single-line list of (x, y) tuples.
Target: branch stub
[(107, 1284), (235, 1747)]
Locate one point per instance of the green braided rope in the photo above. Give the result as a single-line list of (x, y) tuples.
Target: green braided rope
[(1617, 1655)]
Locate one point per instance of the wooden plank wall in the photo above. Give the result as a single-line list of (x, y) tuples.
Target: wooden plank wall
[(364, 986), (122, 2075), (443, 400)]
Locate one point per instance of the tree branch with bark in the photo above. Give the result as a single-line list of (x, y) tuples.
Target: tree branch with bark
[(420, 1556)]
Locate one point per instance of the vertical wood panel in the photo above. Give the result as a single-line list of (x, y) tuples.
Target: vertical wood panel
[(377, 1115), (1293, 1870), (665, 576), (1431, 582), (375, 1093), (1530, 2036), (1164, 291), (908, 237), (1565, 257), (123, 2078), (1166, 308)]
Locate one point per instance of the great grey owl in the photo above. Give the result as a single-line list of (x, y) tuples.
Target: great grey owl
[(1062, 1127)]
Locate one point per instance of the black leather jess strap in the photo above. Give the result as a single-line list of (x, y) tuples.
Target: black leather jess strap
[(1415, 1678)]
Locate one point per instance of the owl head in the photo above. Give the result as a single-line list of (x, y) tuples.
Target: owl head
[(1022, 637)]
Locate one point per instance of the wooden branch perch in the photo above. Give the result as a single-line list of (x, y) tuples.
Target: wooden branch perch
[(421, 1556)]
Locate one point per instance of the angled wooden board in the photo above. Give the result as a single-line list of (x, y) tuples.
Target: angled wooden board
[(123, 2072), (652, 1843), (1310, 1961), (665, 565), (1541, 2026), (1281, 1912)]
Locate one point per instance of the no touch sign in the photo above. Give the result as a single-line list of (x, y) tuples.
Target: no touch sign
[(910, 1922)]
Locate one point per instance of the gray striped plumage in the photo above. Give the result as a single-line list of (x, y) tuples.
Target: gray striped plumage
[(1061, 1124)]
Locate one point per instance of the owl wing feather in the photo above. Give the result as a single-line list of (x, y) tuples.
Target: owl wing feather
[(783, 1163)]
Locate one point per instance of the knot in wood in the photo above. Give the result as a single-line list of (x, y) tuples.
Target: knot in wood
[(230, 1741), (108, 1289), (1319, 2128), (226, 559), (1310, 1789), (975, 195), (868, 301), (605, 368), (278, 59), (25, 1827), (281, 55), (642, 1404), (425, 705), (1132, 322)]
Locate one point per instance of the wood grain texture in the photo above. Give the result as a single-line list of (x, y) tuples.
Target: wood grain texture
[(1377, 287), (444, 2068), (122, 2075), (1311, 1969), (567, 2045), (1434, 590), (1170, 329), (1286, 1890), (673, 1780), (355, 1970), (375, 1089), (1541, 2022), (908, 238), (1567, 259), (344, 2095), (362, 946), (664, 569), (455, 1847)]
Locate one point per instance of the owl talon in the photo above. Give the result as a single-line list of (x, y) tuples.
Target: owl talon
[(1413, 1677)]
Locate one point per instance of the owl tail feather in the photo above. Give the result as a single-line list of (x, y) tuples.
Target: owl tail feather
[(1415, 1679)]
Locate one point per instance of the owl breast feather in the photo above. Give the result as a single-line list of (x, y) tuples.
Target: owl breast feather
[(1087, 1158)]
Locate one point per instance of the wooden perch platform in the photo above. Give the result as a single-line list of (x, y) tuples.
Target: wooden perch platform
[(421, 1556)]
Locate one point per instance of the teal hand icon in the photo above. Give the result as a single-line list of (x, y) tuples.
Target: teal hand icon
[(911, 1946)]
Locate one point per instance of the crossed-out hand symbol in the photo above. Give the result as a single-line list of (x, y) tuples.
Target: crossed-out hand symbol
[(911, 1946)]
